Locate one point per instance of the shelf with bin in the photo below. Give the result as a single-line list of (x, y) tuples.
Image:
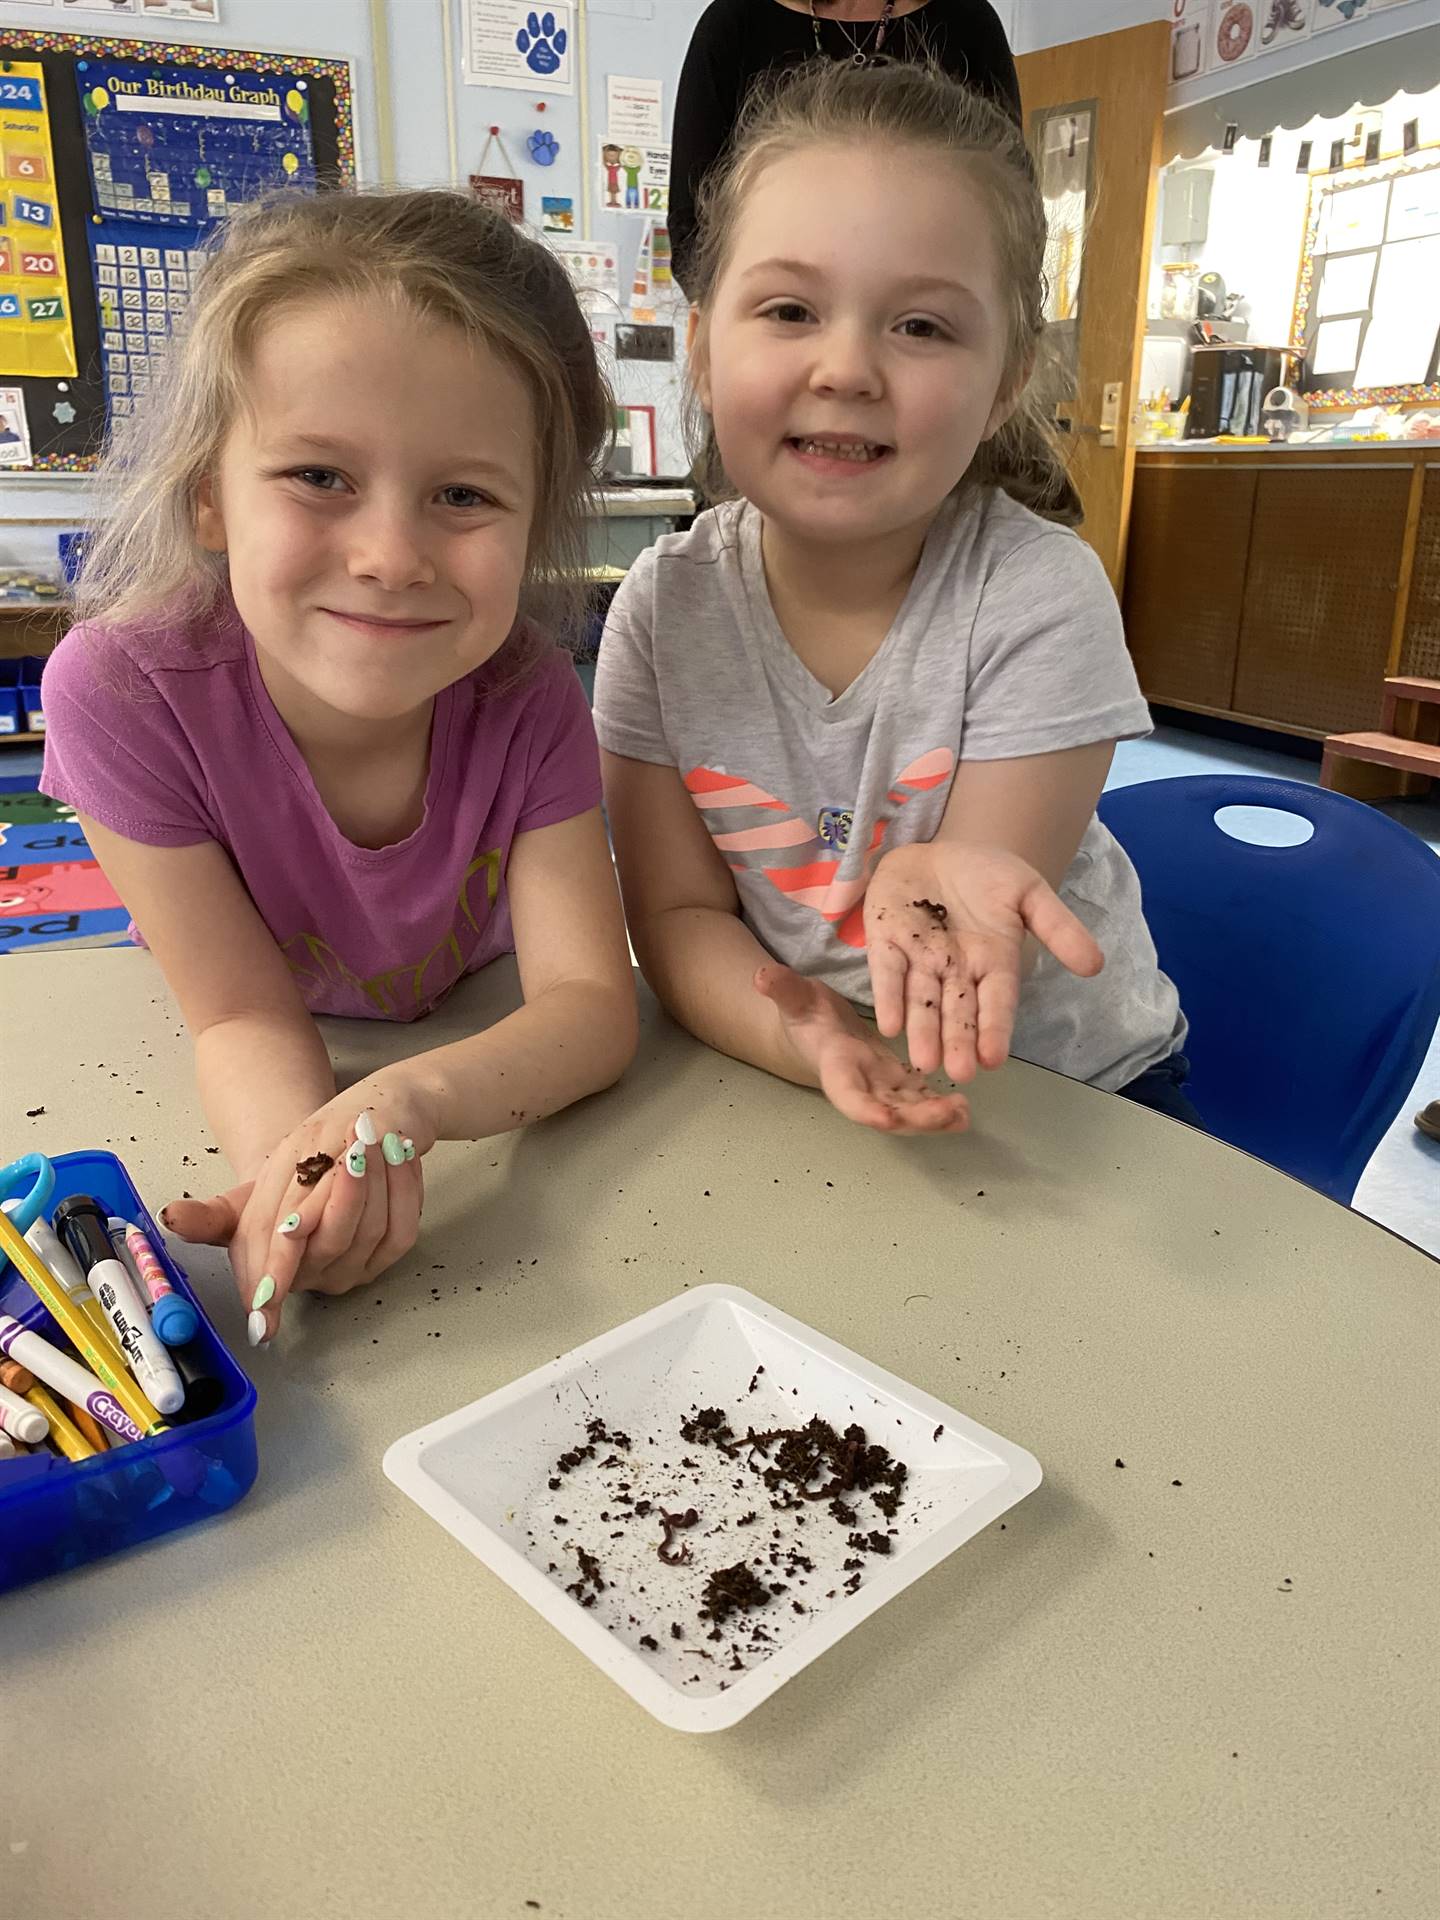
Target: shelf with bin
[(21, 715)]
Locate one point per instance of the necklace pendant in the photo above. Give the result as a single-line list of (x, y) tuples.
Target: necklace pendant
[(857, 59)]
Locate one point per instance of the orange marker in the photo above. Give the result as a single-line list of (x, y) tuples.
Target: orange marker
[(90, 1428), (19, 1379)]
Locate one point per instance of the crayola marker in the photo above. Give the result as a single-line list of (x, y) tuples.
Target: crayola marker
[(121, 1406)]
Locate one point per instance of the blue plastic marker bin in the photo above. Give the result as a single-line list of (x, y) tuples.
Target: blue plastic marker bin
[(80, 1512), (32, 714), (12, 714)]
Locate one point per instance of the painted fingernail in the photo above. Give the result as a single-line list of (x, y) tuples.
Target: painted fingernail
[(290, 1224), (355, 1161), (264, 1294), (365, 1129), (394, 1149), (256, 1330), (409, 1146)]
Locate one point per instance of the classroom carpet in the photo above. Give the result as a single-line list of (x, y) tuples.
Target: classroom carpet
[(52, 892)]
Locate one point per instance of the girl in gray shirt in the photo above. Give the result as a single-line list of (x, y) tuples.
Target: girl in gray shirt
[(856, 721)]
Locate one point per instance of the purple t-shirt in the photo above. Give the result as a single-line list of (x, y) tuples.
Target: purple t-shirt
[(171, 739)]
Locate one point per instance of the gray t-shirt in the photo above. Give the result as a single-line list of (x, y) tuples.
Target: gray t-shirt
[(1009, 643)]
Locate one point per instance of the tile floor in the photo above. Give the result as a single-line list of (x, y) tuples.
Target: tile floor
[(1401, 1186)]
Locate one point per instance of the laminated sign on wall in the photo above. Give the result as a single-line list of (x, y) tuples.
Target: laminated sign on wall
[(510, 44), (634, 179)]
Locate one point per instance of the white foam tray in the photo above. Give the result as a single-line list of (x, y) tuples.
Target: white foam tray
[(483, 1474)]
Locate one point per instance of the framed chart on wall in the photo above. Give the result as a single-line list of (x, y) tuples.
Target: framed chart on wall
[(1367, 315), (119, 162)]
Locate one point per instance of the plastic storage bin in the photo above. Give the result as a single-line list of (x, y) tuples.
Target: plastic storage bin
[(12, 714), (32, 714), (79, 1512)]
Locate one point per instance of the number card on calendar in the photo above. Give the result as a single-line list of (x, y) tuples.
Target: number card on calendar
[(35, 321)]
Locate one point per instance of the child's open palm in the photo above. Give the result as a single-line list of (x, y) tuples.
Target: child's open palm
[(857, 1072), (945, 927)]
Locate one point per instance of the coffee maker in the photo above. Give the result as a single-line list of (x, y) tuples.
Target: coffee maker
[(1228, 385)]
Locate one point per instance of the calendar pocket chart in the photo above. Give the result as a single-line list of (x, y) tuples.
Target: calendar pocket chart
[(36, 334), (144, 277), (120, 160)]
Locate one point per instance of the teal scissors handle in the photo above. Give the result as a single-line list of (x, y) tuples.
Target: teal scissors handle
[(25, 1210)]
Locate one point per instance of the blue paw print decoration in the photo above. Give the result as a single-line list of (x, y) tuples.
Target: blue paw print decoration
[(543, 147), (542, 43)]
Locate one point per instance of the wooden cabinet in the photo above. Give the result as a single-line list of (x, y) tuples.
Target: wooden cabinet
[(1280, 588), (1420, 642), (1185, 580)]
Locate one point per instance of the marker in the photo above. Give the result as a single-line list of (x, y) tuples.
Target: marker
[(88, 1425), (20, 1421), (68, 1377), (68, 1274), (172, 1316), (18, 1379), (81, 1226), (204, 1393), (63, 1431)]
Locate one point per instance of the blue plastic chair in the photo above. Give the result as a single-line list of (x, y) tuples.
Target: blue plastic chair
[(1310, 974)]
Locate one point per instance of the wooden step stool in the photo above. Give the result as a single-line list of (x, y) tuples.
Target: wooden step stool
[(1398, 762)]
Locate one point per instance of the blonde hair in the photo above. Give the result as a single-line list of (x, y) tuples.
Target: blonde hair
[(892, 104), (442, 256)]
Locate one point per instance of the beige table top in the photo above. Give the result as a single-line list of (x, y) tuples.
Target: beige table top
[(1117, 1707)]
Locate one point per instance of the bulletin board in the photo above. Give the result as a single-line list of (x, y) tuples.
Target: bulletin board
[(1367, 305), (119, 161)]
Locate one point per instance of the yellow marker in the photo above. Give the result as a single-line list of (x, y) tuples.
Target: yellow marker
[(77, 1327), (63, 1430)]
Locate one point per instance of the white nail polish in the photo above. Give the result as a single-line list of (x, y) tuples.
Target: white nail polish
[(365, 1130), (290, 1224), (255, 1328)]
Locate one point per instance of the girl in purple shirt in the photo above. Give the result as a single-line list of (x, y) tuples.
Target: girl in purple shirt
[(311, 723)]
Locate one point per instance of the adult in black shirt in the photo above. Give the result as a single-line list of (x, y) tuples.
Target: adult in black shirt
[(737, 40)]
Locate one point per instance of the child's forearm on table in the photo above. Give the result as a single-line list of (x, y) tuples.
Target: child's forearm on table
[(701, 964), (260, 1076), (572, 1040)]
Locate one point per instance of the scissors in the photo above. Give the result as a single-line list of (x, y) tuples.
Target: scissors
[(26, 1208)]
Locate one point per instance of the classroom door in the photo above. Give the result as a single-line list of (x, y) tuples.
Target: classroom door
[(1093, 114)]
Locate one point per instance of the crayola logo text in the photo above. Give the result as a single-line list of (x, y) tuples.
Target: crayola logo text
[(114, 1416)]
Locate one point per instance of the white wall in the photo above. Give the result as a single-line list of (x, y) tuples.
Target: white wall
[(1051, 23), (638, 38), (635, 38), (330, 29), (1257, 215)]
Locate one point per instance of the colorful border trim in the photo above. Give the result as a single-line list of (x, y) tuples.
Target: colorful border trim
[(22, 40), (1350, 399)]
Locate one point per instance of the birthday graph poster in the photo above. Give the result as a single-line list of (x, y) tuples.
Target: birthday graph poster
[(172, 151), (181, 146)]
